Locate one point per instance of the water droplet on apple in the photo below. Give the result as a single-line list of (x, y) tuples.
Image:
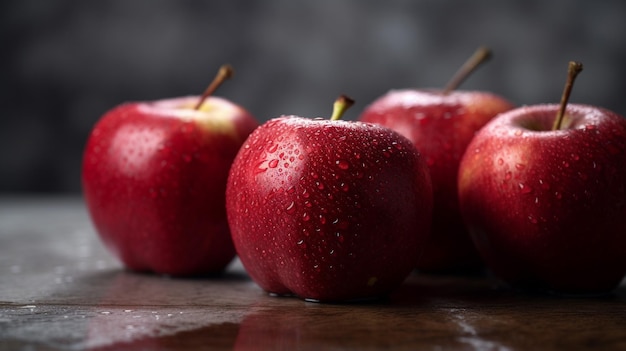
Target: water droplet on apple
[(305, 193), (575, 157), (344, 187), (590, 127), (291, 208), (500, 161), (518, 132), (524, 189), (260, 168), (273, 163), (322, 219), (520, 166), (508, 175), (565, 164), (272, 148), (558, 195), (319, 185), (306, 217), (339, 237), (342, 164), (597, 166), (532, 219)]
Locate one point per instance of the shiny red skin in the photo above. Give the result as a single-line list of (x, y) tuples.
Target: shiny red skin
[(547, 209), (328, 210), (154, 184), (441, 126)]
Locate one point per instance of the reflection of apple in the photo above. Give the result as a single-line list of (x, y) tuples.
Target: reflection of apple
[(154, 177), (331, 327), (547, 206), (328, 210), (441, 123)]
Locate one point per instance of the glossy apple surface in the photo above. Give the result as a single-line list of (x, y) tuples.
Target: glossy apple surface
[(547, 209), (328, 210), (441, 125), (154, 178)]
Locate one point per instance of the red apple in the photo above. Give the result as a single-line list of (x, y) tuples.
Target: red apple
[(441, 123), (328, 210), (546, 206), (154, 181)]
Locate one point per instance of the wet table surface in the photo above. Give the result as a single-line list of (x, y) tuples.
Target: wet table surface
[(61, 290)]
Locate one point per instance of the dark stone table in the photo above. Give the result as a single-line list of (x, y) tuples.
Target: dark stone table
[(61, 290)]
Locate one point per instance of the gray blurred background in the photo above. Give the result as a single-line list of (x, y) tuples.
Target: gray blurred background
[(65, 62)]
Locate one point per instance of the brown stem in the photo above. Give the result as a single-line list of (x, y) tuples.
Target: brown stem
[(225, 72), (572, 71), (480, 56), (340, 106)]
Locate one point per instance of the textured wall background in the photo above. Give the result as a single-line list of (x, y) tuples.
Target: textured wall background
[(65, 62)]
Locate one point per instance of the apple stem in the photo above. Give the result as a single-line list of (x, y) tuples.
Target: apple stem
[(572, 71), (480, 56), (340, 106), (225, 72)]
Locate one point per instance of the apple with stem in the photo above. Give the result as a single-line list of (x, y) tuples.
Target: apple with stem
[(543, 191), (328, 210), (154, 180), (441, 123)]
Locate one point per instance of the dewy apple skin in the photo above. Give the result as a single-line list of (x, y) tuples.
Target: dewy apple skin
[(328, 210), (154, 180), (441, 123), (545, 202)]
